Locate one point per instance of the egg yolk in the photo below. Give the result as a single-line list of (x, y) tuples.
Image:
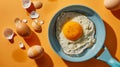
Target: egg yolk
[(72, 30)]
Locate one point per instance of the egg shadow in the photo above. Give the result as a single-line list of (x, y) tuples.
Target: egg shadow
[(110, 42), (31, 8), (44, 61), (116, 13), (19, 55), (33, 40)]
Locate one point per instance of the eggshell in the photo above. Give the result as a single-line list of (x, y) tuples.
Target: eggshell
[(21, 45), (26, 3), (37, 4), (35, 52), (41, 22), (36, 20), (34, 15), (36, 26), (8, 33), (112, 4), (25, 20)]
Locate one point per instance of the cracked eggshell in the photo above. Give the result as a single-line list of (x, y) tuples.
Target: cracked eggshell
[(8, 33), (26, 3), (34, 15)]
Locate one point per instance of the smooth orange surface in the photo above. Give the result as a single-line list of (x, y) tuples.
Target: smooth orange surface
[(12, 56)]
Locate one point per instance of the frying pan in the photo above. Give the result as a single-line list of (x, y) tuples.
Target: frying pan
[(91, 52)]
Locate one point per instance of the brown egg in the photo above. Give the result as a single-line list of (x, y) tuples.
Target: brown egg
[(35, 52), (22, 28), (112, 4), (37, 4)]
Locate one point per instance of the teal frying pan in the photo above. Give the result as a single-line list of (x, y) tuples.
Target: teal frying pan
[(91, 52)]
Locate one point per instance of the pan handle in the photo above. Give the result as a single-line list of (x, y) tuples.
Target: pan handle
[(106, 57)]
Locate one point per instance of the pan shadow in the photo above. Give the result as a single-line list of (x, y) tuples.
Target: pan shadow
[(110, 42), (33, 40), (44, 61), (116, 13)]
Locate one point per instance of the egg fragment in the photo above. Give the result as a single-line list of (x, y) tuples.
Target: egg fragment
[(37, 26), (41, 22), (34, 15), (72, 30), (8, 33), (26, 3), (25, 20), (112, 4), (35, 52), (37, 4), (21, 45)]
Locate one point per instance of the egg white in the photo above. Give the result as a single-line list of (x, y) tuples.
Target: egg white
[(86, 41)]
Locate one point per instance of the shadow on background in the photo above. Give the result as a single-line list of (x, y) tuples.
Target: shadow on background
[(31, 8), (110, 42), (19, 55), (33, 40), (116, 14), (44, 61)]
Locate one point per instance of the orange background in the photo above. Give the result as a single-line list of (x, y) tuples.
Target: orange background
[(12, 56)]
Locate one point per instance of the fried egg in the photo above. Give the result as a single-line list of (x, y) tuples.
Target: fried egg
[(75, 33)]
